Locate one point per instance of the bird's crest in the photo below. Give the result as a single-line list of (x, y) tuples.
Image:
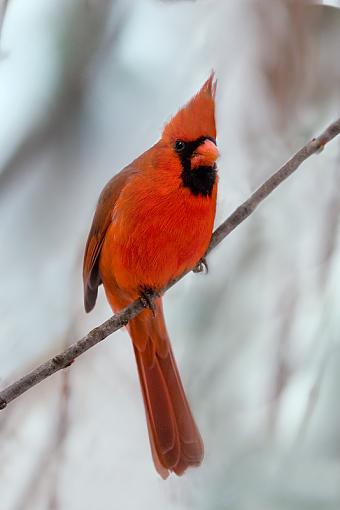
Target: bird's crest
[(196, 118)]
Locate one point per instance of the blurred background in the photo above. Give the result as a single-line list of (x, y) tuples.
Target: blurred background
[(86, 86)]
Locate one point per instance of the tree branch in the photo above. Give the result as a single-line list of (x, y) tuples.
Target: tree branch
[(120, 319)]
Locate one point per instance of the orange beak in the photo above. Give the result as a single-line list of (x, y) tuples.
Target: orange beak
[(205, 155)]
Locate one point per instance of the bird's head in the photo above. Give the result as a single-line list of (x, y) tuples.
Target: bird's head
[(191, 137)]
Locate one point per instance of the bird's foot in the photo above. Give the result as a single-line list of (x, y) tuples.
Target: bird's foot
[(201, 266), (124, 322), (147, 297)]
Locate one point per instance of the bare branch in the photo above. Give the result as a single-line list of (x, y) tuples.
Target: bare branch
[(120, 319)]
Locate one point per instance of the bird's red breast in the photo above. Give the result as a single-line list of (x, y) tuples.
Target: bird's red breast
[(163, 218)]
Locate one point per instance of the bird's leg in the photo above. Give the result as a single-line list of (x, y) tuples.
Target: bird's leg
[(201, 266), (147, 297)]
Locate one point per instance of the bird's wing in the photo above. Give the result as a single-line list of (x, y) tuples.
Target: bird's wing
[(101, 221)]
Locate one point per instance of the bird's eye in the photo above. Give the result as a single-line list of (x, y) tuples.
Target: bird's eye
[(179, 145)]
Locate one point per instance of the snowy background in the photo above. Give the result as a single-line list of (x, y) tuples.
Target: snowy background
[(86, 86)]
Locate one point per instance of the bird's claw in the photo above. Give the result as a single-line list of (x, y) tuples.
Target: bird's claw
[(147, 299), (124, 322), (201, 266)]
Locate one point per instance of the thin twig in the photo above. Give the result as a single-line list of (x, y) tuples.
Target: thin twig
[(120, 319)]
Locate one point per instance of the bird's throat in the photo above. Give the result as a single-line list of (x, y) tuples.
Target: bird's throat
[(200, 180)]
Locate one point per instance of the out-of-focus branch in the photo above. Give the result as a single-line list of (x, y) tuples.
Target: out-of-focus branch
[(84, 32), (3, 9), (120, 319)]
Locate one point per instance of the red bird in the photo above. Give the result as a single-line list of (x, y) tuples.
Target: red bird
[(154, 220)]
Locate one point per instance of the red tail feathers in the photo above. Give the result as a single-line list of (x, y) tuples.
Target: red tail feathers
[(175, 441)]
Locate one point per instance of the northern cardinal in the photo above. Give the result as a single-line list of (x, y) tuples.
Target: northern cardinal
[(153, 221)]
